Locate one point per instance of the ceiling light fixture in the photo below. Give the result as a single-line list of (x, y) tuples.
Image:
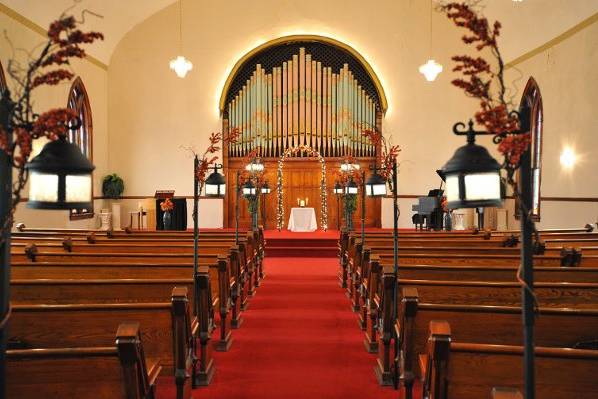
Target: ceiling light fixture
[(430, 69), (568, 158), (180, 65)]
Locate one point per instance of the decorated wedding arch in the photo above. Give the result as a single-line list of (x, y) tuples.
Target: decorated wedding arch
[(312, 153)]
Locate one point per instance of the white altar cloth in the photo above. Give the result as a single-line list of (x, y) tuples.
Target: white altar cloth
[(303, 219)]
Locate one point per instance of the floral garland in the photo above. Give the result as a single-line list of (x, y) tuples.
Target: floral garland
[(310, 152)]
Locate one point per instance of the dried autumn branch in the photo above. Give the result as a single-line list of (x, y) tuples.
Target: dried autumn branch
[(22, 124)]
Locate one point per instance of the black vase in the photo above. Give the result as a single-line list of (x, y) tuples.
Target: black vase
[(167, 220)]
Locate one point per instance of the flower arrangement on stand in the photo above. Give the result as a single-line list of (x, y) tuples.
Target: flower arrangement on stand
[(20, 124), (388, 153), (485, 82), (167, 206), (252, 181)]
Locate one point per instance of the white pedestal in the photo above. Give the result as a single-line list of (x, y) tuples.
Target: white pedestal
[(116, 216)]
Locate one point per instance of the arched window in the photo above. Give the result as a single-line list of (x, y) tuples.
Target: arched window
[(83, 136), (532, 98)]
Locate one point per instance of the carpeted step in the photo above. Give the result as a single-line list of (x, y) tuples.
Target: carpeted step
[(297, 251)]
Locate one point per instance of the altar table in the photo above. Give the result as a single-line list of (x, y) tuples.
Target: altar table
[(303, 219)]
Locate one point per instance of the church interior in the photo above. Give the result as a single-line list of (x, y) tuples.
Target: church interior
[(299, 199)]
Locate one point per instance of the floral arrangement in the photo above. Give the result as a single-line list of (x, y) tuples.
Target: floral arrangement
[(166, 205), (485, 82), (208, 158), (113, 186), (388, 154), (50, 67), (444, 204)]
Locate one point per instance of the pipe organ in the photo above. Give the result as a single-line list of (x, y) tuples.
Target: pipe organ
[(300, 91), (302, 102)]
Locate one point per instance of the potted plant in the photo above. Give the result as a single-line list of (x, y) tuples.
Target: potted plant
[(113, 187)]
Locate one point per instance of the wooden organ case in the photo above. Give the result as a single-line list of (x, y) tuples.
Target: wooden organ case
[(293, 91)]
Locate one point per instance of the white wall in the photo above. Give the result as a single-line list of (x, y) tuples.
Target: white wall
[(143, 113), (567, 75), (153, 113)]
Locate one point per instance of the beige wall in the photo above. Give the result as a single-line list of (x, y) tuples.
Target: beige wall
[(95, 80), (568, 78), (153, 113)]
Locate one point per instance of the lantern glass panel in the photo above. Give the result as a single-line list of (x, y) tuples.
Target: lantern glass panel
[(78, 188), (452, 188), (43, 187), (482, 186)]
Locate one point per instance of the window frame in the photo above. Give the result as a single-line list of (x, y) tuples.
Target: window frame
[(532, 98), (79, 101)]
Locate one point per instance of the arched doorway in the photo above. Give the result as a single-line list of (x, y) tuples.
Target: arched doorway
[(308, 152)]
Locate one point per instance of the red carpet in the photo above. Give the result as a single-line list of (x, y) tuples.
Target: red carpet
[(302, 244), (299, 340)]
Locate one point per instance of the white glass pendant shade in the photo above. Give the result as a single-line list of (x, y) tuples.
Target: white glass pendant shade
[(180, 65), (348, 167), (430, 70), (254, 166)]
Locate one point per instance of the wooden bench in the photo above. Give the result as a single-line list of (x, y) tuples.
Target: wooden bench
[(554, 327), (165, 329), (579, 295), (464, 370), (116, 370)]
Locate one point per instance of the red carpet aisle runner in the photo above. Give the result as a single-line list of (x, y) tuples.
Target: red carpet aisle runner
[(299, 340)]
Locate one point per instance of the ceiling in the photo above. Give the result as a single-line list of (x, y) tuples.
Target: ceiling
[(526, 25)]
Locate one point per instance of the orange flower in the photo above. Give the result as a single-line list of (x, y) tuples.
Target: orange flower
[(166, 205)]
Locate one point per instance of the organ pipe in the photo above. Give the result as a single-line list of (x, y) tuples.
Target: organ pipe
[(302, 102)]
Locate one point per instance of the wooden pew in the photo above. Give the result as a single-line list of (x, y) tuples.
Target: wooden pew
[(117, 370), (370, 296), (554, 327), (243, 262), (464, 370), (137, 271), (166, 330), (580, 295)]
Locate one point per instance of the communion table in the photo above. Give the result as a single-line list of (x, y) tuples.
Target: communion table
[(303, 219)]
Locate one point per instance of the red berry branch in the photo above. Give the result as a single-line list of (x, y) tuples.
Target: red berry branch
[(21, 124), (208, 158), (485, 82), (388, 154)]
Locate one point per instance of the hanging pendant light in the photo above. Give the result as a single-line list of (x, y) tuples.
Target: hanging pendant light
[(430, 69), (180, 65)]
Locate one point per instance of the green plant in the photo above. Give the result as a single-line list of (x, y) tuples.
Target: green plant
[(350, 202), (113, 186)]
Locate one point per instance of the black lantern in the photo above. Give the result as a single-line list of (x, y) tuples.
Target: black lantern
[(351, 187), (249, 189), (265, 188), (215, 183), (472, 175), (60, 177), (338, 189), (375, 186)]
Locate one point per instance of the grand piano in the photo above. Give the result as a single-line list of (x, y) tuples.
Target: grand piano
[(429, 211)]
